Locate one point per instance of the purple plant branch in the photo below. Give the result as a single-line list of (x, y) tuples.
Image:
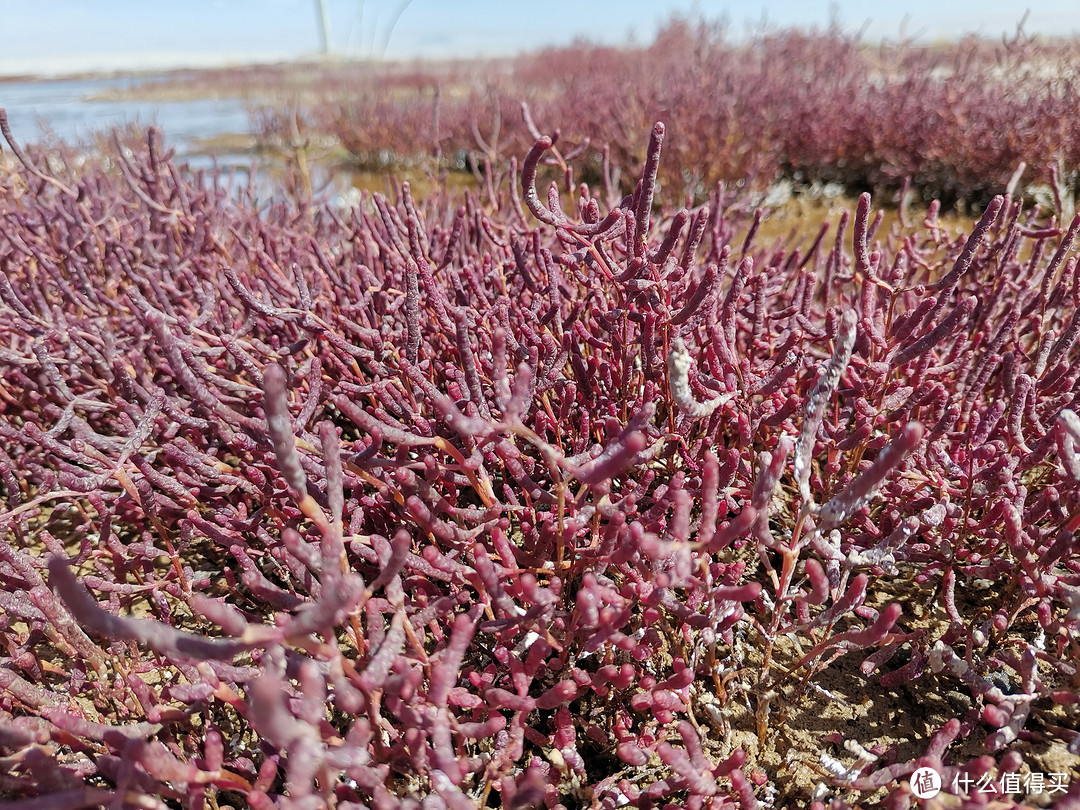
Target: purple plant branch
[(279, 425), (678, 222), (694, 303), (959, 315), (25, 160), (643, 211), (412, 312), (860, 235), (547, 215), (967, 255), (161, 638), (619, 456), (819, 398), (859, 492)]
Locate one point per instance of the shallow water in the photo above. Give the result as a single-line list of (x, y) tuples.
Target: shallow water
[(74, 110)]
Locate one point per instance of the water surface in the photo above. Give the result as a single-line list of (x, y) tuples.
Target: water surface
[(77, 109)]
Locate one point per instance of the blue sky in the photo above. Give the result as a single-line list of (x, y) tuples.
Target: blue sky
[(60, 36)]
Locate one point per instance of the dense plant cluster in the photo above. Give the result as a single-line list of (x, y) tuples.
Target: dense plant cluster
[(813, 107), (530, 502)]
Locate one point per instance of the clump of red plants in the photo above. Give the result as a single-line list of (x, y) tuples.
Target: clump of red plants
[(530, 502), (818, 109)]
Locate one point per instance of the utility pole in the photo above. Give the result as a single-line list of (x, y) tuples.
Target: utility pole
[(323, 13)]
